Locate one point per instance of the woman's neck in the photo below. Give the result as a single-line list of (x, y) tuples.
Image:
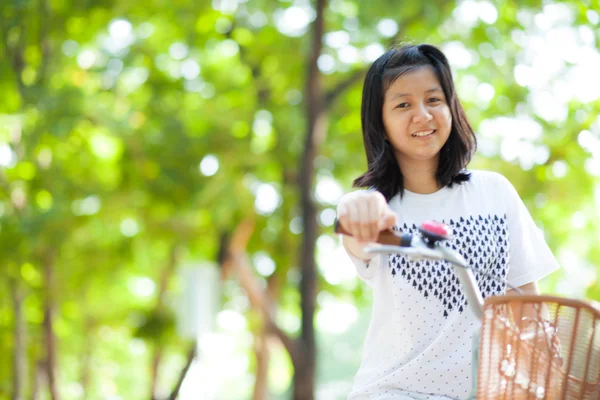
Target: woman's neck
[(420, 179)]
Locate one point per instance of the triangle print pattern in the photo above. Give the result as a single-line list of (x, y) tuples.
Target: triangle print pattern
[(481, 240)]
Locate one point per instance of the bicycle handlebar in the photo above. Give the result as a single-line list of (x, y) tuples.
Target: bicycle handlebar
[(416, 248), (385, 237)]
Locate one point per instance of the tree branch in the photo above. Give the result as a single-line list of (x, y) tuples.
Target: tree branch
[(236, 261), (332, 95), (190, 358), (263, 91), (50, 337), (20, 346), (44, 40), (166, 275), (14, 54), (417, 16)]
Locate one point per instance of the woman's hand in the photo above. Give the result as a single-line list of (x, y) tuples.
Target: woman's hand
[(363, 214)]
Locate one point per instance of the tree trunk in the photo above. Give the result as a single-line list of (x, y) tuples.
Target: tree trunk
[(19, 353), (49, 311), (156, 358), (163, 284), (304, 378), (86, 362), (262, 348), (263, 355), (38, 379)]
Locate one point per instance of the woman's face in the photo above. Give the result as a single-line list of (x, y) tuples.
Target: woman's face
[(417, 118)]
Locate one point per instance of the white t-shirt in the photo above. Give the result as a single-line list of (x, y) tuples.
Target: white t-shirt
[(419, 343)]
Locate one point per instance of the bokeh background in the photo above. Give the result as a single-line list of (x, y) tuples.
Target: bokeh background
[(169, 172)]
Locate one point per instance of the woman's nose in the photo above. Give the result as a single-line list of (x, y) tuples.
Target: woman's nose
[(421, 115)]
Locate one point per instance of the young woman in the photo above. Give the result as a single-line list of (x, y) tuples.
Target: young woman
[(418, 143)]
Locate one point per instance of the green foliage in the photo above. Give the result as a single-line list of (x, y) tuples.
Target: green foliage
[(158, 326), (113, 113)]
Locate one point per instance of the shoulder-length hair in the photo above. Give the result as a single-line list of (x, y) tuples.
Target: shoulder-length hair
[(383, 172)]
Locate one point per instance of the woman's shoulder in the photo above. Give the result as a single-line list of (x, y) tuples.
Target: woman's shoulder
[(489, 179), (493, 185)]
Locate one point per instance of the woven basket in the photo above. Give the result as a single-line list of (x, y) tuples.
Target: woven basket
[(554, 352)]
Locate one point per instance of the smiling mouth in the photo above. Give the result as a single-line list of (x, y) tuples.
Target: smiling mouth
[(423, 133)]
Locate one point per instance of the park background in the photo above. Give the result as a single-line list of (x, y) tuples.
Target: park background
[(169, 172)]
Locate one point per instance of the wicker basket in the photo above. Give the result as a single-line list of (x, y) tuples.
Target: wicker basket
[(553, 354)]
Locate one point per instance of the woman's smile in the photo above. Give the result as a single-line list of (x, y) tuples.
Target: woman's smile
[(423, 133)]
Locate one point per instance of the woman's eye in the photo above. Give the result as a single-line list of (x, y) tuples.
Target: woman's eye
[(402, 105), (434, 100)]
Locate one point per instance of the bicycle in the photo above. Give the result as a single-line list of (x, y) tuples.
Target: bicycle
[(516, 360)]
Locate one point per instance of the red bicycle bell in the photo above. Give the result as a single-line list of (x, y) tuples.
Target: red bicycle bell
[(434, 231)]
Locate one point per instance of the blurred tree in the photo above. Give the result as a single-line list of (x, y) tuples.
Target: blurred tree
[(134, 137)]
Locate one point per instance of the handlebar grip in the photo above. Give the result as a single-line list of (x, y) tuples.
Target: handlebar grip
[(385, 237)]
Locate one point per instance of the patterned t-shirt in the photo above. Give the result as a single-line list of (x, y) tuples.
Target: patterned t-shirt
[(419, 341)]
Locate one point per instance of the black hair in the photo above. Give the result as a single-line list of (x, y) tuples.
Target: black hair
[(383, 172)]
